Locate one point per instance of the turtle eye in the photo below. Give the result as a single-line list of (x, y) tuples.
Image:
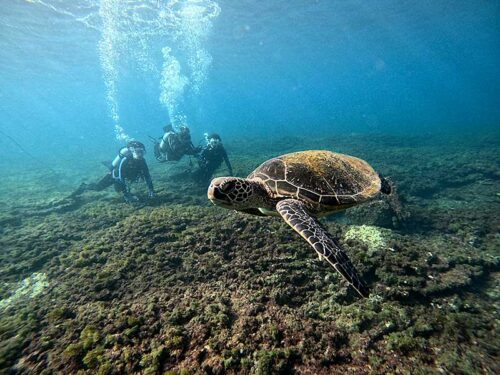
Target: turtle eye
[(227, 187)]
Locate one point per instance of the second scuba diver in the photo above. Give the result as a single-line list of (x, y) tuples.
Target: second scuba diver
[(210, 158), (174, 145), (129, 166)]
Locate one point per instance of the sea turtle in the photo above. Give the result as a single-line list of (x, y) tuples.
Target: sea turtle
[(300, 187)]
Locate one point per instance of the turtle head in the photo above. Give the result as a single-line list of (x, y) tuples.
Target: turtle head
[(235, 193)]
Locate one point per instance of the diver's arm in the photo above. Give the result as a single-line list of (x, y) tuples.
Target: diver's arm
[(147, 178)]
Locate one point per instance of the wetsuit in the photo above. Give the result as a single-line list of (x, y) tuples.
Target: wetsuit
[(173, 148), (210, 159), (124, 170)]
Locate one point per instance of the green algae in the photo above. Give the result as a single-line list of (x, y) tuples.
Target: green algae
[(151, 362), (73, 351), (269, 362), (93, 358), (183, 287)]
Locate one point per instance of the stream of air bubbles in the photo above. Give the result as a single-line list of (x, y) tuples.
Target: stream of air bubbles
[(136, 29), (135, 33)]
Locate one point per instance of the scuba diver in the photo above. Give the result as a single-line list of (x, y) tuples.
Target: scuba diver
[(174, 145), (129, 166), (211, 157)]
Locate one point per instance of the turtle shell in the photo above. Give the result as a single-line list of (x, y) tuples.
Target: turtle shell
[(325, 180)]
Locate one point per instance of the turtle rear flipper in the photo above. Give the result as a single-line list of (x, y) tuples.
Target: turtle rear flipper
[(386, 185), (296, 215)]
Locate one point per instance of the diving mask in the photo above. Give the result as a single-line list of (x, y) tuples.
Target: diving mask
[(213, 142), (137, 152)]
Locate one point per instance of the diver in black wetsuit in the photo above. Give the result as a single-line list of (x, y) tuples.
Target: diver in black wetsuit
[(174, 145), (129, 166), (210, 158)]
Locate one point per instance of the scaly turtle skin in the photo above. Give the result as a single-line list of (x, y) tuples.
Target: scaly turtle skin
[(300, 187)]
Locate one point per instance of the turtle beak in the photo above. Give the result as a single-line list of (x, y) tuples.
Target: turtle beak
[(211, 192), (216, 195)]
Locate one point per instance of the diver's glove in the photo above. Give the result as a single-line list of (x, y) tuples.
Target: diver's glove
[(151, 194), (130, 198)]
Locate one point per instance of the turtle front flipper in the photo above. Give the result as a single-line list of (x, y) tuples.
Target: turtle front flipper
[(296, 215)]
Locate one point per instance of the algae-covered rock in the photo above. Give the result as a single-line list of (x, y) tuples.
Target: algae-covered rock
[(178, 286), (93, 358)]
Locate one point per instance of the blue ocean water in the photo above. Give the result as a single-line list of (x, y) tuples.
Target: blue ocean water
[(153, 280), (76, 76)]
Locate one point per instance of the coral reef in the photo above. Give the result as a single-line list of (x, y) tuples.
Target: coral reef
[(178, 286)]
